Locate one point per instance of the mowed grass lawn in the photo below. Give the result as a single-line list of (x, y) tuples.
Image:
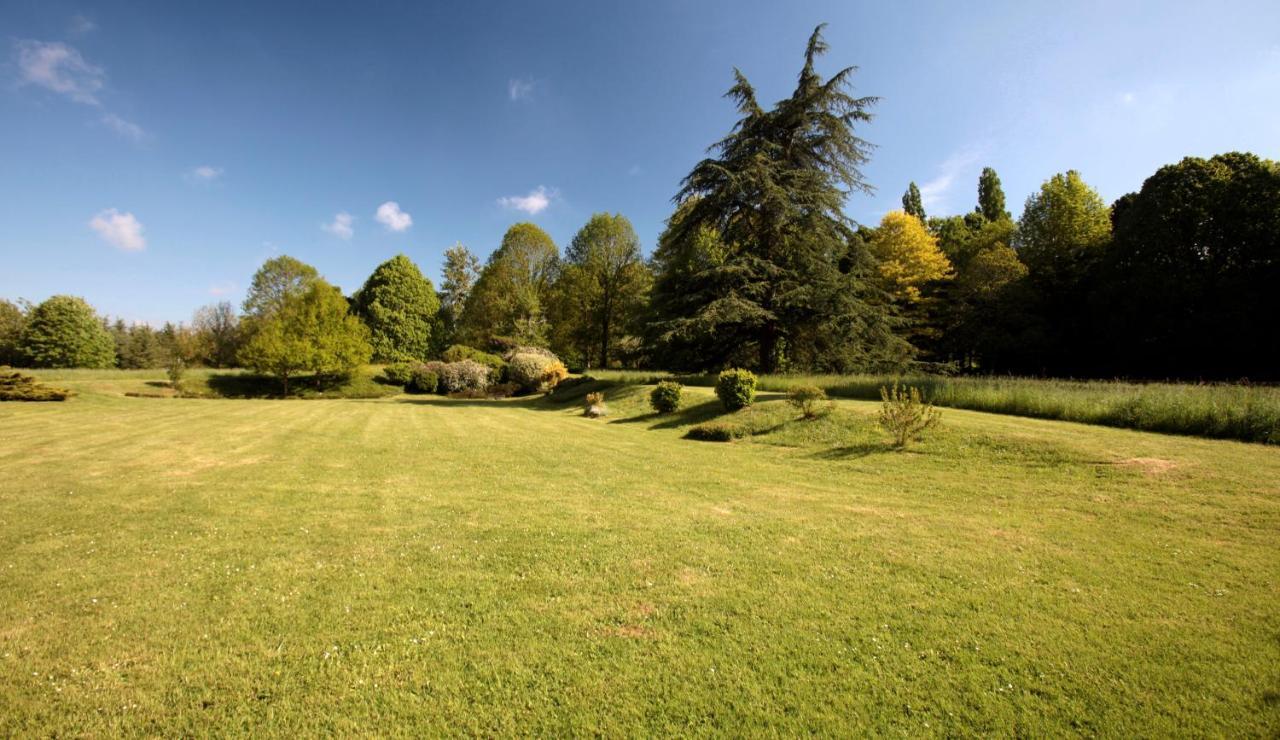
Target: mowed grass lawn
[(416, 565)]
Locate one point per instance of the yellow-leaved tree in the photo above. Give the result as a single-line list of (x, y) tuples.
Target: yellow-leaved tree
[(909, 256)]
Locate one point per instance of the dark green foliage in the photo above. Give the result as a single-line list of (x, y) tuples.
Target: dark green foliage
[(399, 305), (398, 373), (12, 319), (665, 397), (138, 346), (1194, 273), (736, 388), (759, 259), (64, 331), (912, 204), (810, 400), (422, 379), (991, 197), (16, 386)]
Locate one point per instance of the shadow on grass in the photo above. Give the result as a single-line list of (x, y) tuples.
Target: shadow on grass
[(855, 451), (686, 416)]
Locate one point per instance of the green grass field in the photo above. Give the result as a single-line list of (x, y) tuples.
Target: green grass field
[(417, 565)]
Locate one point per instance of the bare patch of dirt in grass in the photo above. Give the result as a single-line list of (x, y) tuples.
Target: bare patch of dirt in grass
[(1148, 465)]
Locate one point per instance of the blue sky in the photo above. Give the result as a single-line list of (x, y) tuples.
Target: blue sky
[(153, 154)]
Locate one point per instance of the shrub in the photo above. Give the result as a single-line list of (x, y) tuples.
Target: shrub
[(175, 370), (16, 386), (467, 375), (593, 405), (905, 415), (736, 388), (809, 399), (716, 431), (503, 390), (398, 373), (535, 372), (665, 398), (422, 380), (529, 350), (460, 352)]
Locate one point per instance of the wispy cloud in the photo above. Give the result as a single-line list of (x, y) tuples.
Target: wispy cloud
[(341, 225), (936, 193), (222, 289), (390, 216), (55, 66), (121, 230), (518, 89), (60, 68), (81, 24), (204, 173), (127, 129), (534, 203)]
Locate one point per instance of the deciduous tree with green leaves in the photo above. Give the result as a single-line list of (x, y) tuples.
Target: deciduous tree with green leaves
[(277, 279), (511, 296), (460, 273), (308, 332), (64, 331), (603, 286)]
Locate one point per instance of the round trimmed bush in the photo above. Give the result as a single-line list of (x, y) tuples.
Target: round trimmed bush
[(535, 372), (468, 375), (736, 388), (665, 398)]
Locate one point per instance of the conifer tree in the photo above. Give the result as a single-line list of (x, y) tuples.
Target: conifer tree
[(912, 204)]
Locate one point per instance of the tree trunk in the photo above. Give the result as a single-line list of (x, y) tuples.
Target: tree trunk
[(768, 347), (285, 378)]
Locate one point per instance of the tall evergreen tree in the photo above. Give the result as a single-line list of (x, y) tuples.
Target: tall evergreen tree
[(991, 196), (399, 305), (912, 203), (773, 194)]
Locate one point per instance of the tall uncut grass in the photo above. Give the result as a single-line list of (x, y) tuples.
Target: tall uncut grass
[(1243, 412)]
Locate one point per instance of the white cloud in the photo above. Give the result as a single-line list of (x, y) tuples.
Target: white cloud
[(534, 203), (936, 193), (55, 66), (519, 89), (341, 224), (390, 215), (1128, 98), (81, 24), (205, 173), (121, 230), (127, 129), (221, 289)]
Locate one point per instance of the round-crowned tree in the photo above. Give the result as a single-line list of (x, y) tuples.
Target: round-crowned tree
[(399, 305), (64, 331)]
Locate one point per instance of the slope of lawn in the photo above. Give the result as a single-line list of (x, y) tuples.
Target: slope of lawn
[(1250, 413), (424, 565)]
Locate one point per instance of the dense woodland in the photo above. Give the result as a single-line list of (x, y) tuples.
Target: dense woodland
[(759, 267)]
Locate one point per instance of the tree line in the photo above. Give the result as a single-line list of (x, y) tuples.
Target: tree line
[(759, 267)]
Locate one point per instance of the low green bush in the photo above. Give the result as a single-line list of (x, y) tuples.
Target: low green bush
[(736, 388), (496, 365), (905, 414), (665, 397), (810, 400), (398, 373), (716, 431), (422, 380)]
